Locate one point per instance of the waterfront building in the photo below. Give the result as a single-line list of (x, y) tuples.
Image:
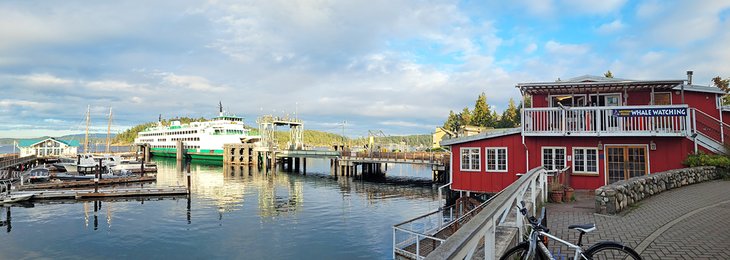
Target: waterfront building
[(596, 131), (438, 135), (48, 147)]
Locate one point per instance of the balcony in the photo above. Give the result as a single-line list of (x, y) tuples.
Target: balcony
[(669, 120)]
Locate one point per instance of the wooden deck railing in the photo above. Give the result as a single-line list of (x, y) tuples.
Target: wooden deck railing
[(671, 120)]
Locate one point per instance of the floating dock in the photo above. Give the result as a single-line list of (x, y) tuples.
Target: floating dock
[(86, 183), (105, 193)]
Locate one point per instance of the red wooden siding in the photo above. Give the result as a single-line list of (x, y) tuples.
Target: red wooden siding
[(484, 181), (669, 154)]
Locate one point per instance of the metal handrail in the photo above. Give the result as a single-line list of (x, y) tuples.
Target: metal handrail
[(463, 243)]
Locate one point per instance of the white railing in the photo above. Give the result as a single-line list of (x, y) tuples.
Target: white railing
[(409, 235), (607, 121), (464, 243)]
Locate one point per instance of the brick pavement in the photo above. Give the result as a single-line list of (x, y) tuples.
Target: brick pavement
[(705, 233)]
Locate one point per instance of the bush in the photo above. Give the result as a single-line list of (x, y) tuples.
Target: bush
[(701, 159)]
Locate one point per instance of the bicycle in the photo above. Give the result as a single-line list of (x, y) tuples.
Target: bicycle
[(540, 234)]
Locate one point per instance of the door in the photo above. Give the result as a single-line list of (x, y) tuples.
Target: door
[(624, 162)]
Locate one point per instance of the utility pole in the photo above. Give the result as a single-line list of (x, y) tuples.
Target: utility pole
[(343, 131), (86, 138)]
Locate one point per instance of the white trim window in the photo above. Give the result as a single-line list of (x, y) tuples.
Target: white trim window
[(585, 160), (496, 159), (471, 158), (553, 158)]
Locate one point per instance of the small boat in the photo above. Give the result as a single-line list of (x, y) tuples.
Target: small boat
[(12, 198), (37, 174), (134, 166)]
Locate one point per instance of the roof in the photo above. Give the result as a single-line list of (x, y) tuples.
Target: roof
[(31, 142), (590, 83), (699, 88), (491, 133)]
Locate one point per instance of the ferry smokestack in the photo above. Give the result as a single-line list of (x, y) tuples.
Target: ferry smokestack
[(689, 77)]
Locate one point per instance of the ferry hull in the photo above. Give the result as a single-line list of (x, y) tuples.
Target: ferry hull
[(193, 154)]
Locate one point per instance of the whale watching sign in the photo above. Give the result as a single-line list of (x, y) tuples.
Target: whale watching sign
[(660, 111)]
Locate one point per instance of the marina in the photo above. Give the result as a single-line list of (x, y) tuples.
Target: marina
[(233, 205)]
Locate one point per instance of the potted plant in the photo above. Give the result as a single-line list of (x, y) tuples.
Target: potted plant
[(568, 194), (556, 192)]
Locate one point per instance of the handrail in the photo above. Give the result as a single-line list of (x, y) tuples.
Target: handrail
[(464, 242), (604, 107), (712, 117)]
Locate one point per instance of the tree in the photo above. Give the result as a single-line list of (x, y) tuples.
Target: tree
[(465, 117), (608, 74), (723, 84), (510, 116), (452, 122), (482, 116)]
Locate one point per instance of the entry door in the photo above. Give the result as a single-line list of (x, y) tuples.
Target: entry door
[(624, 162)]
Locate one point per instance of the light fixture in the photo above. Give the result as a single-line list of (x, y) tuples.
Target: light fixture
[(600, 146), (652, 145)]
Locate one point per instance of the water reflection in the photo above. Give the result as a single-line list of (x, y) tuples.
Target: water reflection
[(231, 211)]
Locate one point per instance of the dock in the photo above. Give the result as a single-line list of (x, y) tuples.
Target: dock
[(106, 193), (86, 183)]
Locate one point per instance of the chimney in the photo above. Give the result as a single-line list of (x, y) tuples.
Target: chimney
[(689, 77)]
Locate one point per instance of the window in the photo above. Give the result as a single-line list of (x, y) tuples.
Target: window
[(662, 98), (470, 159), (553, 158), (496, 159), (585, 160)]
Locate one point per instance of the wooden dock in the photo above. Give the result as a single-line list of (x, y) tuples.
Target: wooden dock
[(86, 183), (106, 193)]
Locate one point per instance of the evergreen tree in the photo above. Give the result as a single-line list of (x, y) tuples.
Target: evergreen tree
[(608, 74), (452, 122), (465, 117), (482, 116), (510, 116)]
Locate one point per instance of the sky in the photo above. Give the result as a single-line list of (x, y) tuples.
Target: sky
[(393, 65)]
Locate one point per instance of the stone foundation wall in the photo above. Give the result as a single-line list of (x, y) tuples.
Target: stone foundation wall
[(616, 197)]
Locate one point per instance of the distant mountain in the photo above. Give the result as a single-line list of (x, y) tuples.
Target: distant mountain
[(93, 137)]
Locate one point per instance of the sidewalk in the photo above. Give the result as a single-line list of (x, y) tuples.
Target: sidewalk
[(691, 222)]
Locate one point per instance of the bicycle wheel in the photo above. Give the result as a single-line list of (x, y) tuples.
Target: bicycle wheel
[(519, 252), (611, 250)]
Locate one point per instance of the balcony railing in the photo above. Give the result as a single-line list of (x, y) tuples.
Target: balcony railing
[(671, 120)]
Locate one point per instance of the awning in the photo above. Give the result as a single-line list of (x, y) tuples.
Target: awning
[(594, 87)]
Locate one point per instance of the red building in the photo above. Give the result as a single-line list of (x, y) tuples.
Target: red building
[(598, 130)]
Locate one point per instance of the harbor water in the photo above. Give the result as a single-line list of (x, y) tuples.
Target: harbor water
[(233, 213)]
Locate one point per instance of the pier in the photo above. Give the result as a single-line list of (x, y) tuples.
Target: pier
[(115, 192), (11, 166)]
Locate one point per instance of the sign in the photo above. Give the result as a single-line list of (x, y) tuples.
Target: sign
[(669, 111)]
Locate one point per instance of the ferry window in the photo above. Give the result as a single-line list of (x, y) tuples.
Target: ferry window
[(470, 159), (496, 159), (553, 158), (662, 98), (585, 160)]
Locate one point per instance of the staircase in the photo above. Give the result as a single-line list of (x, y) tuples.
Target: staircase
[(710, 133)]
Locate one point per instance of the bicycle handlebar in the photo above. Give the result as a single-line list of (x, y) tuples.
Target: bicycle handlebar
[(536, 223)]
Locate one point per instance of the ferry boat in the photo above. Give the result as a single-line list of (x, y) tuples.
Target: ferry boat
[(201, 140)]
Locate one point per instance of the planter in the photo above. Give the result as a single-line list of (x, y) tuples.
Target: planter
[(568, 194), (556, 196)]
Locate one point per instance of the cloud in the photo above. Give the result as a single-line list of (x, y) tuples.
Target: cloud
[(566, 49), (196, 83), (612, 27), (44, 79), (593, 7)]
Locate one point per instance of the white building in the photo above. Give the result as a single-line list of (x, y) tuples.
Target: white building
[(48, 147)]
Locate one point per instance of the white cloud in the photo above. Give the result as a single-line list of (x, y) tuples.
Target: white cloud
[(649, 9), (44, 79), (566, 49), (612, 27), (197, 83)]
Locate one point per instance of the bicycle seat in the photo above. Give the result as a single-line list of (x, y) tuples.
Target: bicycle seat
[(585, 228)]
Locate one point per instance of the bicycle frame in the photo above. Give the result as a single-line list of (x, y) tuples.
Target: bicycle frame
[(536, 243)]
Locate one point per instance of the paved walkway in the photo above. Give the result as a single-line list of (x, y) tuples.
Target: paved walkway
[(691, 222)]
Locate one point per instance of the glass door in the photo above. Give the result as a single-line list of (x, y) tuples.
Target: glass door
[(624, 162)]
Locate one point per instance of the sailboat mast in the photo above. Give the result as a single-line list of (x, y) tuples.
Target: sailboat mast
[(109, 130), (86, 138)]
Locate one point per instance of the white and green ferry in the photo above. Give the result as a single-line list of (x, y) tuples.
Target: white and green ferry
[(202, 140)]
